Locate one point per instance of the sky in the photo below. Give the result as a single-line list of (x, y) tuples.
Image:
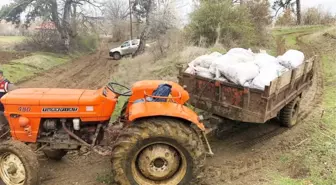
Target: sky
[(185, 6)]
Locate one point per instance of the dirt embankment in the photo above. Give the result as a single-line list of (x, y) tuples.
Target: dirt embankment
[(7, 56), (89, 72)]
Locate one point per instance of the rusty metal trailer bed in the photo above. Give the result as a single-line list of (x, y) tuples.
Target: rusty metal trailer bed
[(234, 102)]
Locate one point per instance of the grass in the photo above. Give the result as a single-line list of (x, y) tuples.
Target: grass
[(25, 68), (11, 39), (318, 157), (43, 61)]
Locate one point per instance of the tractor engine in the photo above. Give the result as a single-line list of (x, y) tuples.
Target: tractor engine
[(69, 133)]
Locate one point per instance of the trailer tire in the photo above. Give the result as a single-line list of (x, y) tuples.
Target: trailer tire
[(21, 158), (56, 155), (289, 115), (177, 147)]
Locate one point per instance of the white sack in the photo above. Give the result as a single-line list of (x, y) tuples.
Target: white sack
[(264, 59), (223, 62), (201, 69), (205, 74), (234, 56), (267, 74), (203, 61), (241, 73), (243, 55), (291, 59), (215, 54), (221, 79), (190, 70)]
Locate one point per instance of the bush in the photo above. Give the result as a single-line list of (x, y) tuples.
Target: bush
[(287, 19), (223, 23), (44, 40), (50, 41), (85, 42), (316, 16)]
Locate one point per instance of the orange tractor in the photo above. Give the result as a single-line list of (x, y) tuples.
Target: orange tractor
[(161, 141)]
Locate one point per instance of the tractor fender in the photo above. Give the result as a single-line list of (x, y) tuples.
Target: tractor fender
[(169, 109)]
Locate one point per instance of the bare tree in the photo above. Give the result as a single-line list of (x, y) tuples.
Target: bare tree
[(158, 16), (57, 11), (298, 11), (288, 4), (116, 9)]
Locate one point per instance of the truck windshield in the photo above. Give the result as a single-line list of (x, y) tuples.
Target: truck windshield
[(125, 44)]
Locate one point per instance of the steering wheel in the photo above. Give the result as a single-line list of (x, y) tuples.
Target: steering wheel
[(112, 86)]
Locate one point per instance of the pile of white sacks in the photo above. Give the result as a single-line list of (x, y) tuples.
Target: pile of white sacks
[(245, 68)]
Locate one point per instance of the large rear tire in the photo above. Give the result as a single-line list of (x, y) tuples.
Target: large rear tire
[(157, 151), (289, 115), (56, 155), (18, 164)]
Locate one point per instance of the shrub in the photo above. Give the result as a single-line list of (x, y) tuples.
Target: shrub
[(44, 40), (316, 16), (85, 42), (50, 41), (223, 23), (287, 19)]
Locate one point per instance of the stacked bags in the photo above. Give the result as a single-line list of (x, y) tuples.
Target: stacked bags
[(245, 68)]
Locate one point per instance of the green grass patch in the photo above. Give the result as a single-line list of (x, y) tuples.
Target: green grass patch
[(116, 113), (295, 30), (27, 67), (318, 158), (280, 180), (16, 72), (104, 178), (11, 39), (43, 61)]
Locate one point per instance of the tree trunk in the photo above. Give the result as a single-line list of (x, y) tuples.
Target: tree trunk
[(145, 32), (298, 12)]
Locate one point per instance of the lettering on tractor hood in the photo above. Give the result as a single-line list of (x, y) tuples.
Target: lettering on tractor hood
[(71, 109)]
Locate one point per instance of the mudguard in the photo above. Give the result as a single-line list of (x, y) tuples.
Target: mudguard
[(169, 109)]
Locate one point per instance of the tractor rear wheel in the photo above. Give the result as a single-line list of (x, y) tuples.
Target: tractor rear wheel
[(157, 151), (55, 154), (18, 164)]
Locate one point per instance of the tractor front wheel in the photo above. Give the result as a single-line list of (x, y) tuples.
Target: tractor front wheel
[(18, 164), (157, 151)]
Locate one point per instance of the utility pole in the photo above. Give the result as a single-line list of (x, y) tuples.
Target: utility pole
[(131, 22)]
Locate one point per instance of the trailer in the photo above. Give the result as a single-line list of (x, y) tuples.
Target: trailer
[(231, 102)]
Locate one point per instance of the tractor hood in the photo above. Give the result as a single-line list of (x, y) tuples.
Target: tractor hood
[(49, 96)]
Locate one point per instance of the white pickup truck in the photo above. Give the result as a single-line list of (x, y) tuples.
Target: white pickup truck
[(126, 48)]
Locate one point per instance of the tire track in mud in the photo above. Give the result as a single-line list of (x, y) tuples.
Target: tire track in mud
[(254, 148)]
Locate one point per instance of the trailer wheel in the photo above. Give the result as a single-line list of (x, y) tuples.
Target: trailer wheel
[(56, 155), (18, 164), (290, 113), (157, 151)]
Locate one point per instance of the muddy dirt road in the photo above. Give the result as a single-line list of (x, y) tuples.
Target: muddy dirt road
[(240, 158), (90, 71)]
